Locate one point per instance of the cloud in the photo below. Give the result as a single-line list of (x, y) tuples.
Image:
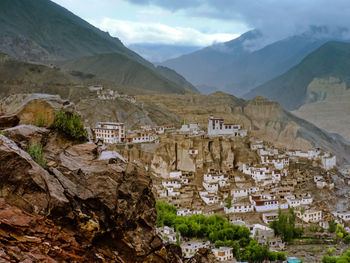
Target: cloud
[(131, 32), (275, 17)]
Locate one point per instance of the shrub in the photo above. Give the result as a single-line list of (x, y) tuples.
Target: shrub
[(313, 228), (347, 239), (344, 258), (2, 132), (35, 150), (70, 125)]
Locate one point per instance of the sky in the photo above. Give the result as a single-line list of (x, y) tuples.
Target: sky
[(204, 22)]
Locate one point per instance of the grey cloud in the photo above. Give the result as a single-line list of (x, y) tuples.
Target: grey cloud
[(279, 18)]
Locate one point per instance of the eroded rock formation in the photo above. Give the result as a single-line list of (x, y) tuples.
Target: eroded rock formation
[(105, 210)]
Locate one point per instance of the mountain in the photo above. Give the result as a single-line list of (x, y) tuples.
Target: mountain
[(55, 30), (317, 89), (158, 53), (291, 88), (123, 71), (244, 63), (42, 31), (197, 65)]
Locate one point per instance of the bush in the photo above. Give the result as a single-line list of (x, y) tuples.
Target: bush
[(2, 132), (35, 150), (313, 228), (344, 258), (70, 125), (347, 239)]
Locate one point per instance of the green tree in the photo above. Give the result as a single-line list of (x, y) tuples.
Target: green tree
[(332, 226), (285, 225), (183, 228), (228, 201)]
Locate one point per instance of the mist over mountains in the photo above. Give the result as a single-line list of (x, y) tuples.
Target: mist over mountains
[(244, 63)]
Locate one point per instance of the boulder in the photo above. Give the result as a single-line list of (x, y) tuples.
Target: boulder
[(26, 184), (23, 135), (8, 121)]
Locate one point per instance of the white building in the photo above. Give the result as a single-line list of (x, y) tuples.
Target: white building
[(210, 187), (141, 137), (168, 234), (192, 128), (184, 212), (310, 216), (171, 183), (110, 132), (175, 175), (344, 215), (208, 198), (163, 128), (239, 193), (269, 217), (239, 208), (328, 162), (262, 232), (190, 248), (264, 203), (257, 144), (223, 253), (217, 127)]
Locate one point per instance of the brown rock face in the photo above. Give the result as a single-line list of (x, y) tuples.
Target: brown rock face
[(23, 135), (8, 121), (106, 205), (28, 238)]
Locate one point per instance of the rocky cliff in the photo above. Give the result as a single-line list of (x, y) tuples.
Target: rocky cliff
[(78, 208), (263, 118)]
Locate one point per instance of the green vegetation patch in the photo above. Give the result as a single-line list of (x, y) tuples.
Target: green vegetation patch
[(35, 150), (344, 258), (285, 226), (70, 125), (218, 230)]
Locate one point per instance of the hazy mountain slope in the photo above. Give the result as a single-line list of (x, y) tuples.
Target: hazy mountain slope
[(56, 30), (158, 53), (176, 78), (197, 65), (22, 77), (264, 64), (249, 64), (123, 71), (291, 88)]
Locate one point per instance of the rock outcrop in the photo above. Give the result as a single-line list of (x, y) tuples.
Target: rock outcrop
[(34, 108), (8, 121), (104, 209)]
